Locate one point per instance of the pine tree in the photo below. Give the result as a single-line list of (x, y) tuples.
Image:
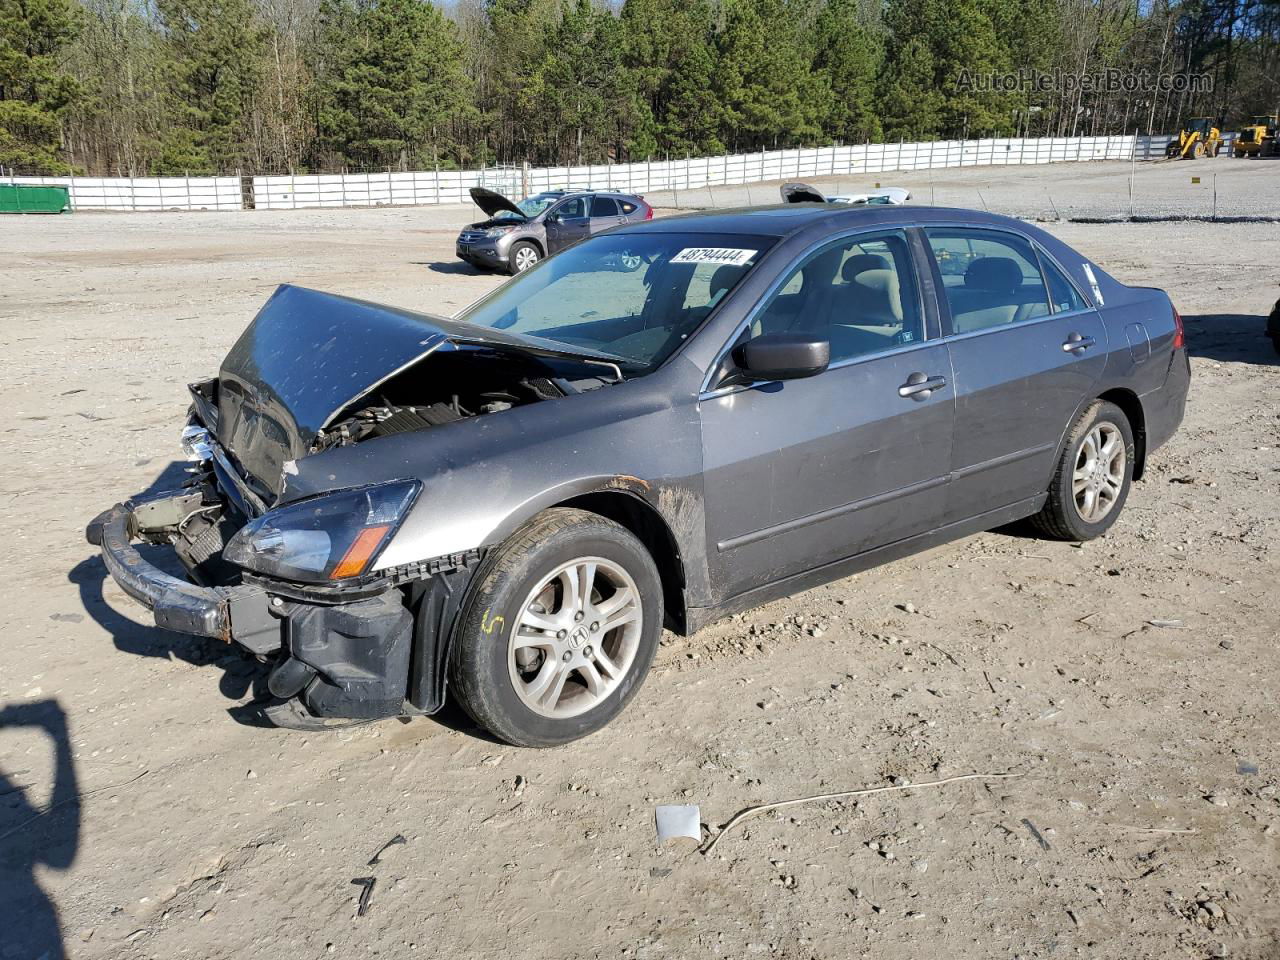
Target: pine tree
[(575, 89), (764, 77), (391, 82), (216, 50), (34, 91), (849, 57), (670, 66)]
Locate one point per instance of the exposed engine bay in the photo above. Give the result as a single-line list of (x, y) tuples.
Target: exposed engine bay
[(467, 383)]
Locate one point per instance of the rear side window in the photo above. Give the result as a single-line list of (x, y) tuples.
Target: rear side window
[(627, 207), (991, 279), (603, 207), (1062, 292)]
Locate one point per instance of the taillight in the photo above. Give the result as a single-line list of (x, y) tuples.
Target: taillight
[(648, 213), (1179, 333)]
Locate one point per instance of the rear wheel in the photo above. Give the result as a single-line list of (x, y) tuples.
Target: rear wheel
[(1093, 477), (523, 256), (560, 631)]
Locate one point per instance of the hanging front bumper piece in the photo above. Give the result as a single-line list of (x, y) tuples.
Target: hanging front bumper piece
[(340, 658), (241, 614)]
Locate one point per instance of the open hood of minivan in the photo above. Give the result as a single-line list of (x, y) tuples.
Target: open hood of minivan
[(494, 203)]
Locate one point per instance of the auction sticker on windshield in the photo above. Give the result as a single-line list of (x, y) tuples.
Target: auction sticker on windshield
[(729, 255)]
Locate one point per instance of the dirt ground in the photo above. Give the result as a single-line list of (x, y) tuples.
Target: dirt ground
[(1130, 683)]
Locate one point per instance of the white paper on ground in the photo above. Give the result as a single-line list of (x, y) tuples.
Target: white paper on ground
[(678, 820)]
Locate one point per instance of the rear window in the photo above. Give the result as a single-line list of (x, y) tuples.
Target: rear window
[(627, 206)]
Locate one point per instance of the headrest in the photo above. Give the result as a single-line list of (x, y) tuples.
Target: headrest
[(993, 273), (724, 278), (862, 262)]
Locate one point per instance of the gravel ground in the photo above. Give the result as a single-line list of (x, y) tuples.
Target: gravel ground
[(1130, 682)]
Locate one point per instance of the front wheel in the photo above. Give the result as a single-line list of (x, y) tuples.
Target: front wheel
[(523, 256), (560, 630), (1093, 477)]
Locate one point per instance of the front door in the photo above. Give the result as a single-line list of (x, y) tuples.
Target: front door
[(801, 473), (567, 223), (1026, 349)]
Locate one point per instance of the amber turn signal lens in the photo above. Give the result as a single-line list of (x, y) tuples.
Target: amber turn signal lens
[(360, 552)]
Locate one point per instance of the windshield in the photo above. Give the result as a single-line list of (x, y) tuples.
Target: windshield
[(529, 206), (634, 297)]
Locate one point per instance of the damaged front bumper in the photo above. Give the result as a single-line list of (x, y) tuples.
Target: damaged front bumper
[(341, 657), (242, 614)]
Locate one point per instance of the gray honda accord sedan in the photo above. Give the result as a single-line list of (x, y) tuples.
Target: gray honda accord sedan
[(508, 507)]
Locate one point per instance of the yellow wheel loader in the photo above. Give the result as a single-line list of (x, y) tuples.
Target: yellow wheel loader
[(1200, 138), (1259, 138)]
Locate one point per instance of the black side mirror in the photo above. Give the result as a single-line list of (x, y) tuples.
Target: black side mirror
[(782, 356), (552, 218)]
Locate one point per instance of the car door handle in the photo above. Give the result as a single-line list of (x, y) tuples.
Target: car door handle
[(1077, 343), (920, 386)]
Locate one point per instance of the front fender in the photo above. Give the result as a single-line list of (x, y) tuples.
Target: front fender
[(484, 477)]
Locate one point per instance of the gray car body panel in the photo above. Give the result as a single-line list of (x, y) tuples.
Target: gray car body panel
[(771, 486)]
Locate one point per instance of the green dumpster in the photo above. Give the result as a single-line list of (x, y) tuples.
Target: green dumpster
[(25, 198)]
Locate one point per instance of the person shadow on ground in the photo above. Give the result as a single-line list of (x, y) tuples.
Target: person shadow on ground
[(29, 837)]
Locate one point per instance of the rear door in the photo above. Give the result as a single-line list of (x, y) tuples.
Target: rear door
[(567, 223), (604, 214), (1026, 349), (801, 473)]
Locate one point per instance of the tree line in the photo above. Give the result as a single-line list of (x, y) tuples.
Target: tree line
[(134, 87)]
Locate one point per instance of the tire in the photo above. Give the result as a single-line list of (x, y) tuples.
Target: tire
[(523, 580), (523, 256), (1063, 516)]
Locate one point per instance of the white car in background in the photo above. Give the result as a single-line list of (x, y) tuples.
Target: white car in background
[(803, 193)]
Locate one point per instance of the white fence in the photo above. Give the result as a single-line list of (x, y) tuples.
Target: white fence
[(450, 186), (147, 193)]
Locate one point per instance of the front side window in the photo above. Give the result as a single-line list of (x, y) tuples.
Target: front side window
[(572, 209), (990, 279), (859, 292), (632, 297)]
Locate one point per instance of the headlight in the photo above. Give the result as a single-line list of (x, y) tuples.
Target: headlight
[(332, 537), (498, 231)]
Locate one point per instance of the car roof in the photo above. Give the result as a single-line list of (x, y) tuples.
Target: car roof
[(598, 193), (785, 219)]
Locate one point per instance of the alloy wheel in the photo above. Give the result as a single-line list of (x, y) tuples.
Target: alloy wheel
[(526, 257), (1099, 474), (576, 639)]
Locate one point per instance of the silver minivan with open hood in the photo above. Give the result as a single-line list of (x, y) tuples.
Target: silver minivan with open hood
[(517, 235)]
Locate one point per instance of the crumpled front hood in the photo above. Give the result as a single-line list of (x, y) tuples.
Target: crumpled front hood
[(306, 357)]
